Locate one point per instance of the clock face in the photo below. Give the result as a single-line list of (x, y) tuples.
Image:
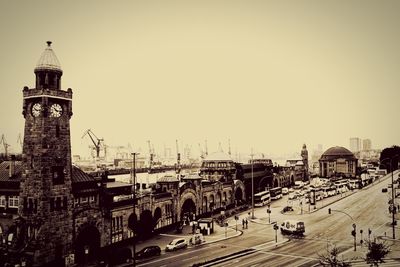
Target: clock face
[(55, 110), (36, 109)]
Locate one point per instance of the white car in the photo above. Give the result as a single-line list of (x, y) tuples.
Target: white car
[(285, 190), (176, 244)]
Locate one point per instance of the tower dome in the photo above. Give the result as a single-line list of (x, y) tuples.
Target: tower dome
[(48, 60), (48, 70)]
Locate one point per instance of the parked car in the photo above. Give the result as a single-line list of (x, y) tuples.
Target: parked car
[(287, 208), (176, 244), (119, 256), (147, 252)]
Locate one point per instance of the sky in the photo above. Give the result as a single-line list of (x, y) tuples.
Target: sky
[(265, 75)]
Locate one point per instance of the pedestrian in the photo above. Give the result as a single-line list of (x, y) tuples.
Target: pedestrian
[(243, 222), (246, 223)]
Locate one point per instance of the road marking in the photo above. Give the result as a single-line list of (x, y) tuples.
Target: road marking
[(191, 258), (174, 256)]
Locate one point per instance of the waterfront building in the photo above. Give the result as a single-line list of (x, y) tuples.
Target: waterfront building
[(337, 161)]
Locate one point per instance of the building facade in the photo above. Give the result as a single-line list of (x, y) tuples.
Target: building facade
[(337, 162)]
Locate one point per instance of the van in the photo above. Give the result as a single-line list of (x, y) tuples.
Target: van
[(292, 227)]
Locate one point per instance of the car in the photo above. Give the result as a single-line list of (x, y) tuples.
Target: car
[(287, 208), (384, 190), (176, 244), (285, 190), (119, 256), (147, 252), (292, 196)]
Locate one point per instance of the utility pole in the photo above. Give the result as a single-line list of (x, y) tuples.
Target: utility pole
[(134, 204), (252, 186)]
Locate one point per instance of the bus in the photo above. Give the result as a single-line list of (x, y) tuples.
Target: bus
[(342, 186), (276, 193), (262, 198)]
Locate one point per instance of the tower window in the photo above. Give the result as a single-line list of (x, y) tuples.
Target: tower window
[(58, 174), (57, 130)]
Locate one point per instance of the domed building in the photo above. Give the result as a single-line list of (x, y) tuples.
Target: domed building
[(337, 161)]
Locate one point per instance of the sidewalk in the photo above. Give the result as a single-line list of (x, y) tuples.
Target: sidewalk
[(220, 233)]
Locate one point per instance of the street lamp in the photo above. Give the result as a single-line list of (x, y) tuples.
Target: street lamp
[(353, 233), (133, 180), (252, 186), (393, 195)]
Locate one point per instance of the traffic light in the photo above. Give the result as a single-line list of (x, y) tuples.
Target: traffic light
[(329, 211), (353, 233)]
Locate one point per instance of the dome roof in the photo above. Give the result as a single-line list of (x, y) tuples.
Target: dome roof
[(48, 60), (337, 152), (218, 156)]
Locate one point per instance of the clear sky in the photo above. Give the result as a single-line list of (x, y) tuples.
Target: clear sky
[(271, 75)]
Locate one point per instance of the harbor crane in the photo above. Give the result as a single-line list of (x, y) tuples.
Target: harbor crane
[(151, 153), (178, 157), (97, 142), (5, 144), (201, 152), (19, 140)]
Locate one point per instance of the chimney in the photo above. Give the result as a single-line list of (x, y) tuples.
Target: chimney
[(12, 166)]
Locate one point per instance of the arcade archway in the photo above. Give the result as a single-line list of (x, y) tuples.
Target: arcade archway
[(157, 217), (238, 195), (146, 224), (87, 245), (188, 208)]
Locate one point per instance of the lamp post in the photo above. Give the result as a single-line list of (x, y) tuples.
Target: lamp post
[(252, 186), (393, 195), (133, 179), (354, 232)]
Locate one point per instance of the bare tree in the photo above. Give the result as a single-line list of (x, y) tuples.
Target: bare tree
[(376, 252), (331, 258)]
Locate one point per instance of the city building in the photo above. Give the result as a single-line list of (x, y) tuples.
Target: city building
[(355, 144), (337, 162), (366, 145)]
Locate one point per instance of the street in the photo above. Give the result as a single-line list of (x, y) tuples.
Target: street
[(366, 208)]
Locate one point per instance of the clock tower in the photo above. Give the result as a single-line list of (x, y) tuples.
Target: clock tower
[(45, 188)]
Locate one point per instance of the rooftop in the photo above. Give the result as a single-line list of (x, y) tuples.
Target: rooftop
[(48, 60)]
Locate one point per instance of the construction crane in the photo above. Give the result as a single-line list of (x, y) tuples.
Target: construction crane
[(97, 142), (19, 140), (5, 144), (178, 157), (150, 156), (201, 152)]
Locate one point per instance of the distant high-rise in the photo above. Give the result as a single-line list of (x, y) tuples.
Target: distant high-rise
[(355, 144), (367, 144)]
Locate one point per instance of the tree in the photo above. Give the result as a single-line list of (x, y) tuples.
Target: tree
[(331, 258), (376, 252), (390, 153)]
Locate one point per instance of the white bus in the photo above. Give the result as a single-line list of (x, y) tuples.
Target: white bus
[(342, 186), (262, 198), (276, 193)]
